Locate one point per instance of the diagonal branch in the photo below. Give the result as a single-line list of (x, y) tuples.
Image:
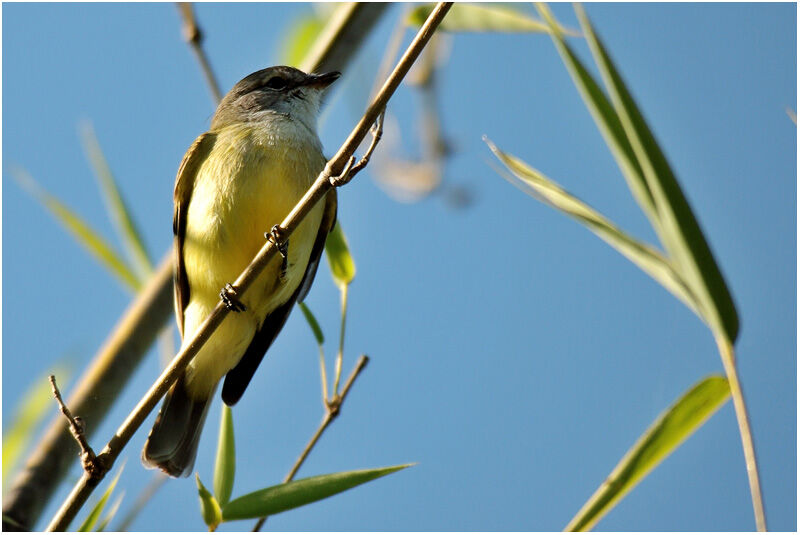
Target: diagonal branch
[(321, 186)]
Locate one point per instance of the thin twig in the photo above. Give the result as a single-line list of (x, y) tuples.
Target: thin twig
[(729, 362), (331, 412), (194, 37), (84, 487), (78, 430)]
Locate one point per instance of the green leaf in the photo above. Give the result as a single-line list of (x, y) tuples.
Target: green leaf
[(650, 260), (225, 465), (300, 38), (312, 322), (84, 234), (661, 439), (116, 207), (287, 496), (209, 507), (97, 510), (112, 511), (343, 268), (30, 411), (479, 18), (680, 232)]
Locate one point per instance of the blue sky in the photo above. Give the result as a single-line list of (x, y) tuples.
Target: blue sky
[(515, 357)]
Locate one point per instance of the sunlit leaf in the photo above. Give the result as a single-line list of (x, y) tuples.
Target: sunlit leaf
[(33, 406), (225, 465), (312, 322), (650, 260), (299, 39), (287, 496), (343, 268), (116, 207), (661, 439), (84, 234), (209, 507), (94, 515), (480, 18), (112, 511)]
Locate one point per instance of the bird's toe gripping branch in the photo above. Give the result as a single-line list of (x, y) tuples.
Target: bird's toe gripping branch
[(231, 299), (275, 235)]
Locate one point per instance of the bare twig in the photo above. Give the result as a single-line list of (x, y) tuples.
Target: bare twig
[(194, 37), (77, 428), (729, 362), (321, 186), (133, 335), (332, 408)]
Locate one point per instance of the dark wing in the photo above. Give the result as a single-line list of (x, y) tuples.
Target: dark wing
[(239, 377), (184, 185)]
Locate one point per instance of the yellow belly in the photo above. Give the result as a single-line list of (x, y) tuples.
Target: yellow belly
[(246, 185)]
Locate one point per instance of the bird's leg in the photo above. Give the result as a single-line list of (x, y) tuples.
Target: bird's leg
[(275, 235), (230, 299)]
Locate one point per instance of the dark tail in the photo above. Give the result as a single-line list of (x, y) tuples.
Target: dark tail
[(172, 444)]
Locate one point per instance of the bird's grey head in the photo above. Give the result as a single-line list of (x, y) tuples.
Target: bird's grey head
[(274, 91)]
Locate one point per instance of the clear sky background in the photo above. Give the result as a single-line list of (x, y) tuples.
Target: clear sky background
[(515, 357)]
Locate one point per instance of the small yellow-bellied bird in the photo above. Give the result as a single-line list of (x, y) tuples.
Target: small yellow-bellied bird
[(236, 182)]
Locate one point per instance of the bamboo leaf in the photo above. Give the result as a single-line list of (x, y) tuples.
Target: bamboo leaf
[(209, 507), (343, 268), (300, 38), (273, 500), (28, 414), (94, 515), (667, 433), (650, 260), (680, 232), (312, 322), (112, 511), (117, 209), (82, 232), (480, 18), (225, 465)]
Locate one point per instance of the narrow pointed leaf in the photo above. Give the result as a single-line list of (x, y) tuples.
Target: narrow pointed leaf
[(225, 465), (300, 38), (607, 122), (209, 507), (33, 406), (112, 511), (94, 515), (680, 232), (116, 207), (650, 260), (287, 496), (656, 444), (343, 268), (480, 18), (82, 232), (312, 322)]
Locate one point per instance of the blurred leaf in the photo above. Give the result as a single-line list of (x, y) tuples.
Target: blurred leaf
[(646, 257), (97, 510), (480, 18), (287, 496), (112, 511), (299, 39), (225, 465), (662, 438), (87, 237), (116, 207), (209, 507), (312, 322), (792, 115), (343, 268), (30, 411)]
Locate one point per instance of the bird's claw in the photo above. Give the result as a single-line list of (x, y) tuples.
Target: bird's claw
[(230, 299)]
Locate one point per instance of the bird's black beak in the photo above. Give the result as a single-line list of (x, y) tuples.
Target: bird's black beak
[(322, 81)]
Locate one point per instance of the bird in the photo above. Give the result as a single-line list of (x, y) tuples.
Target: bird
[(235, 184)]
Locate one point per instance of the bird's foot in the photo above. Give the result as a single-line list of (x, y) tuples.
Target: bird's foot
[(230, 299), (275, 235)]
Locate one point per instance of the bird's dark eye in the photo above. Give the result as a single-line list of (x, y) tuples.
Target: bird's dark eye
[(276, 82)]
